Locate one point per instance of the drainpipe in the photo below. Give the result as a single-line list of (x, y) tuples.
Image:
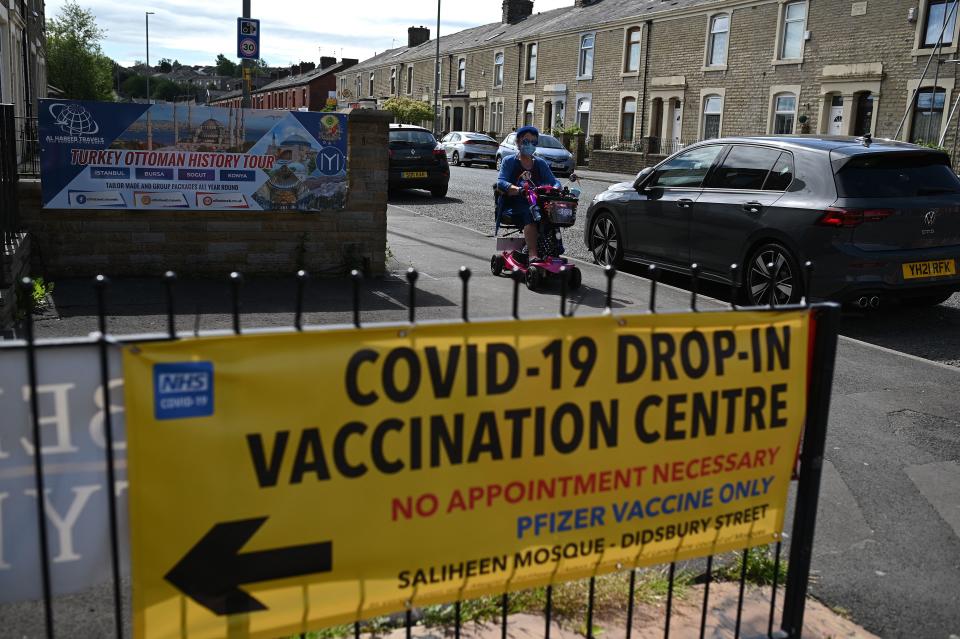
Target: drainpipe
[(646, 71), (516, 103)]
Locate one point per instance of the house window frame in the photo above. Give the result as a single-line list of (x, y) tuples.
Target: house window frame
[(708, 64), (919, 49), (393, 81), (710, 92), (529, 47), (410, 79), (774, 112), (461, 74), (371, 84), (635, 97), (577, 111), (582, 72), (503, 57), (531, 102), (627, 31), (782, 32), (946, 83)]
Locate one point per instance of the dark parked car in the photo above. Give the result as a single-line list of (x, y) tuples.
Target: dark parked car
[(879, 220), (417, 161), (548, 147)]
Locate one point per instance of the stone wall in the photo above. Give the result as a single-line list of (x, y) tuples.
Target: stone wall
[(72, 243), (621, 161)]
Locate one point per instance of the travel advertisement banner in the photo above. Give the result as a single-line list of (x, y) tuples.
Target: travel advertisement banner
[(281, 483), (182, 156)]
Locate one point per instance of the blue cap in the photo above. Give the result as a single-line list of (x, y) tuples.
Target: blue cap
[(527, 129)]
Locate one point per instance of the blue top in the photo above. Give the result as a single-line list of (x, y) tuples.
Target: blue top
[(510, 170)]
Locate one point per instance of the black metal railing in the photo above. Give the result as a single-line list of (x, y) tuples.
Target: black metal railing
[(9, 180), (813, 438), (27, 147)]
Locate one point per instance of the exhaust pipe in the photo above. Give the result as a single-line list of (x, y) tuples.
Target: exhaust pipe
[(862, 302), (874, 302)]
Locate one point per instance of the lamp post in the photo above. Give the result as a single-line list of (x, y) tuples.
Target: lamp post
[(147, 17), (436, 87)]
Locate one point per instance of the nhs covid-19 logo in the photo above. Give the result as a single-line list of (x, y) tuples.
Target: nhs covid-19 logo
[(183, 390)]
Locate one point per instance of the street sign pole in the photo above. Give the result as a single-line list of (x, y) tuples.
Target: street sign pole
[(245, 65)]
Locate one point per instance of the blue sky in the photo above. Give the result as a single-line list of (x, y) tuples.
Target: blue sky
[(195, 31)]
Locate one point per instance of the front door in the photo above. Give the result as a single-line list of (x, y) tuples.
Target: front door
[(836, 116), (658, 228)]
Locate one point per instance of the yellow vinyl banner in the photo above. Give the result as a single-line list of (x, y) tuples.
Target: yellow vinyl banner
[(285, 482)]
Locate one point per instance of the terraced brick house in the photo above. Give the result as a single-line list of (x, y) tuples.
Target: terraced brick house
[(660, 74)]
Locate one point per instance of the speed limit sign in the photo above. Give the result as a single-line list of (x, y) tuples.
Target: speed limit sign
[(248, 47), (248, 38)]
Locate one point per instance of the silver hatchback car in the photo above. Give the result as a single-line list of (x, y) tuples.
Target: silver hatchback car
[(465, 147)]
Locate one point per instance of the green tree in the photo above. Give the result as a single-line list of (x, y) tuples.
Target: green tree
[(226, 66), (75, 62), (409, 111), (166, 66)]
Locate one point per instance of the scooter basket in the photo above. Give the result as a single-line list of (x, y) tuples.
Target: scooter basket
[(562, 212)]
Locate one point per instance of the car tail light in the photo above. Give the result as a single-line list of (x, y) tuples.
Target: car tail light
[(849, 218), (439, 155)]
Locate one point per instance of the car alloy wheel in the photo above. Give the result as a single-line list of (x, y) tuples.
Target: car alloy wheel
[(784, 274), (456, 158), (605, 241)]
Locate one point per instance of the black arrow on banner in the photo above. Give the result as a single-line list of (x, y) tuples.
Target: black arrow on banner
[(212, 571)]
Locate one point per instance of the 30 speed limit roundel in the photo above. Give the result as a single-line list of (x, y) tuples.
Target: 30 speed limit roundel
[(248, 46)]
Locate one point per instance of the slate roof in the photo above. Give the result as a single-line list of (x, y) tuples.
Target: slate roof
[(304, 78), (560, 20)]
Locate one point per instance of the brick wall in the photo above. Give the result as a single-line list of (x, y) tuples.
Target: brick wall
[(622, 161), (86, 242)]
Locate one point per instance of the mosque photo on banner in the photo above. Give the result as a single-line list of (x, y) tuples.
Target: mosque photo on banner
[(188, 156)]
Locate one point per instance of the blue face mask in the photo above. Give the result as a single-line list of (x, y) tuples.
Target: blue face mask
[(528, 148)]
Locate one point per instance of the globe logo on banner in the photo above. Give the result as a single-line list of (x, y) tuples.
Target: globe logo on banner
[(73, 119)]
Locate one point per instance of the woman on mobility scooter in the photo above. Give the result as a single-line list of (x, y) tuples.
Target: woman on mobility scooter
[(531, 198)]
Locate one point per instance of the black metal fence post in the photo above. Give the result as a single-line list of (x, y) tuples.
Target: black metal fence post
[(27, 287), (102, 344), (811, 466)]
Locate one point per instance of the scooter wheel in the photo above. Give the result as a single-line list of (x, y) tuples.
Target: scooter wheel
[(496, 265), (576, 278), (533, 278)]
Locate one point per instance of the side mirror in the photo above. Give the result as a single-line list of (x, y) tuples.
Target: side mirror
[(641, 178)]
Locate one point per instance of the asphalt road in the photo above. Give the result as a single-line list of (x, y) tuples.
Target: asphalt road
[(931, 333)]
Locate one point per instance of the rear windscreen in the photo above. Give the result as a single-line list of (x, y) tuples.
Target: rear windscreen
[(412, 138), (897, 175)]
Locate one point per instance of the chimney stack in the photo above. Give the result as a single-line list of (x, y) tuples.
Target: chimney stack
[(516, 10), (417, 36), (583, 3), (327, 61)]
